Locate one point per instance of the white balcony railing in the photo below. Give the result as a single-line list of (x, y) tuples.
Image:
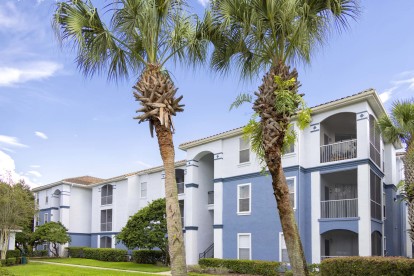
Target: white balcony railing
[(343, 208), (210, 197), (339, 151)]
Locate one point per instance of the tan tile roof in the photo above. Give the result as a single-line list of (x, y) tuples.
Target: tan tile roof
[(84, 180), (237, 130)]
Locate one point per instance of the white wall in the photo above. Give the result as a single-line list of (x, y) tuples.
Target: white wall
[(80, 210)]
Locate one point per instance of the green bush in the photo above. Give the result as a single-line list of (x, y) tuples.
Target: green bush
[(8, 262), (12, 253), (38, 253), (105, 254), (76, 251), (264, 268), (367, 266), (5, 272), (148, 256)]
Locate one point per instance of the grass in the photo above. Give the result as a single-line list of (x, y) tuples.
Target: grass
[(38, 269), (115, 265)]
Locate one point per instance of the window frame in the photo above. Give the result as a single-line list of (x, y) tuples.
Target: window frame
[(244, 213), (146, 190), (282, 238), (106, 238), (106, 220), (106, 197), (238, 245), (294, 192), (45, 218), (244, 149)]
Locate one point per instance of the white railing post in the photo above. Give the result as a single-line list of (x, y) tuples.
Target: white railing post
[(339, 151), (342, 208)]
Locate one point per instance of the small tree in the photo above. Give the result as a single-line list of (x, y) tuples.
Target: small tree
[(147, 229), (53, 233), (16, 210)]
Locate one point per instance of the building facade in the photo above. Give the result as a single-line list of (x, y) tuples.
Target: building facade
[(341, 175)]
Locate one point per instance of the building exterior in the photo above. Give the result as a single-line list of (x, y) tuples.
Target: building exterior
[(341, 175)]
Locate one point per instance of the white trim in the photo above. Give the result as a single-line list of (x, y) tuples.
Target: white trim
[(244, 213), (146, 190), (281, 238), (294, 191), (250, 244), (244, 149)]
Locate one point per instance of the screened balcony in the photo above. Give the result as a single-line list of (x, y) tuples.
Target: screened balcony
[(338, 138), (339, 198), (339, 243)]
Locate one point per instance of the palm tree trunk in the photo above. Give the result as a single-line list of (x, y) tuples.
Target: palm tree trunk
[(274, 126), (409, 185), (174, 227)]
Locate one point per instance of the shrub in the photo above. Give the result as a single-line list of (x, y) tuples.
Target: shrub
[(8, 262), (75, 251), (105, 254), (264, 268), (12, 253), (367, 266), (38, 253), (208, 270), (148, 256), (5, 272)]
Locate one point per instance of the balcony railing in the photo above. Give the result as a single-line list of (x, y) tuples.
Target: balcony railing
[(210, 197), (339, 151), (343, 208), (180, 187), (375, 154)]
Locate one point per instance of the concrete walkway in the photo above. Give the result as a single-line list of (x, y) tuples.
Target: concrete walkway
[(104, 268)]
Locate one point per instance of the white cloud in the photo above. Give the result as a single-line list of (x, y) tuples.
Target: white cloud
[(35, 173), (34, 166), (38, 70), (10, 18), (11, 141), (41, 135), (403, 84), (204, 3), (143, 164), (8, 170)]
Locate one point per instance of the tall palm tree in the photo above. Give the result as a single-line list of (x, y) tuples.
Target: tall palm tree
[(400, 127), (268, 35), (141, 37)]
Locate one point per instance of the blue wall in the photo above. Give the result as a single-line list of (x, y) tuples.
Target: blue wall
[(263, 223), (78, 239)]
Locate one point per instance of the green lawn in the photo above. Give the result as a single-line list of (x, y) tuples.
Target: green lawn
[(115, 265), (60, 270)]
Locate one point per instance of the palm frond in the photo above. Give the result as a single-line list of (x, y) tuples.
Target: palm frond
[(241, 99)]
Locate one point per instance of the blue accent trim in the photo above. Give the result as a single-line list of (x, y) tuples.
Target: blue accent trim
[(195, 228), (48, 209), (105, 233), (338, 219), (377, 221), (218, 226), (191, 185), (64, 207), (81, 234)]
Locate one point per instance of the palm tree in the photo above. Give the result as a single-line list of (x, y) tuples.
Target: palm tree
[(399, 127), (268, 35), (143, 35)]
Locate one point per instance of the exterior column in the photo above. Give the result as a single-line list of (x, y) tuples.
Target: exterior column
[(362, 124), (218, 206), (364, 210), (190, 211), (315, 216)]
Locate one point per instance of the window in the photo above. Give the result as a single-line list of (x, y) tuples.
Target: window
[(143, 189), (376, 239), (243, 199), (37, 199), (290, 149), (375, 185), (291, 182), (283, 254), (385, 246), (105, 242), (106, 194), (46, 199), (106, 220), (383, 206), (45, 218), (37, 220), (244, 245), (244, 156)]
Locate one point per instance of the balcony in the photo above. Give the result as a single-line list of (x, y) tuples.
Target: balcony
[(345, 208), (339, 151), (180, 188), (339, 243), (210, 200)]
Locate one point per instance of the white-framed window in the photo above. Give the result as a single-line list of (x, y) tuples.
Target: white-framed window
[(37, 219), (105, 242), (385, 246), (291, 182), (283, 254), (106, 220), (244, 150), (291, 149), (143, 190), (45, 246), (45, 218), (107, 192), (384, 206), (244, 246), (47, 200), (244, 202)]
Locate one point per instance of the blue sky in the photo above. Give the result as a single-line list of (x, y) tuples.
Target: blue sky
[(56, 124)]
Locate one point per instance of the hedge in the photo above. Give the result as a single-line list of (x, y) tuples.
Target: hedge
[(76, 251), (367, 266), (5, 272), (264, 268), (148, 256), (38, 253), (105, 254), (9, 262), (12, 253)]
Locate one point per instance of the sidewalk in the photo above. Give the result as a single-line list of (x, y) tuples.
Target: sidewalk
[(104, 268)]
